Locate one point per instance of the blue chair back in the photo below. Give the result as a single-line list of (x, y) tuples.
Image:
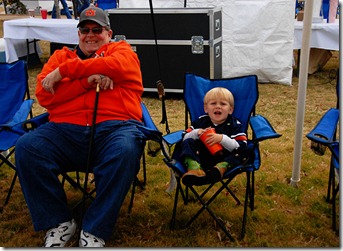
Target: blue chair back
[(147, 120), (107, 4), (244, 90), (13, 86)]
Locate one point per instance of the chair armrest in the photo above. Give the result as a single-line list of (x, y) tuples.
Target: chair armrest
[(21, 115), (262, 129), (175, 165), (150, 133), (325, 130), (173, 137), (32, 123)]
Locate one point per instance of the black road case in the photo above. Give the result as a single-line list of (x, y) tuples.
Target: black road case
[(181, 35)]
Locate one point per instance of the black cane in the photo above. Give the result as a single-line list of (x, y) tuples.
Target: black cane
[(90, 153)]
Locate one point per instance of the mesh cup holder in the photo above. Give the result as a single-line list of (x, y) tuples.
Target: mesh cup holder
[(318, 148)]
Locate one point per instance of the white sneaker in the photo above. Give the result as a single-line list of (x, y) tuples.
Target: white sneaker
[(59, 236), (88, 240)]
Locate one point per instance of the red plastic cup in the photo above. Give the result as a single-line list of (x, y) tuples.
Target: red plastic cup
[(44, 13), (215, 149)]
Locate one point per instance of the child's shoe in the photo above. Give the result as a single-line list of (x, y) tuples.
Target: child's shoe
[(194, 177), (216, 173)]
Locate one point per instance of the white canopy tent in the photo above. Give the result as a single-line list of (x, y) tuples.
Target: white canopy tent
[(257, 35)]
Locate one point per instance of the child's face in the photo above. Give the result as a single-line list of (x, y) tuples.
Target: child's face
[(218, 110)]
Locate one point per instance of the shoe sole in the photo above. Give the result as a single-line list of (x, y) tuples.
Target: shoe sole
[(214, 175), (193, 180)]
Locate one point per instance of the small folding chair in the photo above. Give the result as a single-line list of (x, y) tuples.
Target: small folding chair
[(323, 136), (245, 92), (15, 108)]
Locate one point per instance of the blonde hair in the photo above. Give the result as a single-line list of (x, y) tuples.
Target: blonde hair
[(219, 93)]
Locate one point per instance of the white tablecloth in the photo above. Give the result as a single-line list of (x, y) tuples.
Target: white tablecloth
[(323, 35), (53, 30)]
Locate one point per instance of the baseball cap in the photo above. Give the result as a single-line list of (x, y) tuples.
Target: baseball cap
[(94, 14)]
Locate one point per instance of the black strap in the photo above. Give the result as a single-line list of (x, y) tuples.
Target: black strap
[(155, 36), (161, 95), (160, 86)]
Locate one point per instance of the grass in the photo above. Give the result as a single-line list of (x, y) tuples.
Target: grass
[(284, 216)]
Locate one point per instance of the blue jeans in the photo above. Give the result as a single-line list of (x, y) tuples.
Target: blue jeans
[(65, 7), (44, 153), (83, 5)]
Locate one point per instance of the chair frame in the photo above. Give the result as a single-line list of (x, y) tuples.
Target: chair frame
[(15, 126), (249, 168), (324, 133)]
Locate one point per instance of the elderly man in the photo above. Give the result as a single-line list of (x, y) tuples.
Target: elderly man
[(66, 88)]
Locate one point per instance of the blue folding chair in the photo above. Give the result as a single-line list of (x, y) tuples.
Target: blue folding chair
[(323, 136), (245, 92), (15, 108)]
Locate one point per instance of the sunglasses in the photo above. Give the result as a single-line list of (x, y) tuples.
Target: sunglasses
[(86, 30)]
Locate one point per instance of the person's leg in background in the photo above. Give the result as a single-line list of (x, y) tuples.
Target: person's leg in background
[(84, 5), (66, 9), (53, 12)]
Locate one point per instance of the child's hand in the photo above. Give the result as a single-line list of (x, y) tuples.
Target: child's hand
[(200, 131), (213, 138)]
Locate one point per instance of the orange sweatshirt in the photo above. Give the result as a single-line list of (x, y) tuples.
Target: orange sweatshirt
[(73, 101)]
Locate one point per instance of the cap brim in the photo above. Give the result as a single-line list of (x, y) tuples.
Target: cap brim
[(92, 20)]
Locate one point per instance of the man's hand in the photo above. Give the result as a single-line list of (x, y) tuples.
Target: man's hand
[(51, 79), (103, 81)]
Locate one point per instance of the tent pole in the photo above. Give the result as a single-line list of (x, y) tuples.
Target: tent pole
[(303, 76)]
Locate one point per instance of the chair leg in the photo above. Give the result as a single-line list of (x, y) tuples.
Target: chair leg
[(209, 210), (252, 191), (231, 193), (178, 189), (137, 182), (9, 193), (333, 202), (5, 160), (246, 201), (144, 169), (331, 183), (134, 184)]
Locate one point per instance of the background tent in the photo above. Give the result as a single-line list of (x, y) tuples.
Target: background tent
[(257, 35)]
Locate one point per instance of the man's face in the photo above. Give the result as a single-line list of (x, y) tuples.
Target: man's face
[(92, 36)]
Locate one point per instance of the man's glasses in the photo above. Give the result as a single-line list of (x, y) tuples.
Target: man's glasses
[(86, 30)]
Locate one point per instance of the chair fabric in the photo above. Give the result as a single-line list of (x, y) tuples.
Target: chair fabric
[(323, 136), (15, 108), (245, 92)]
